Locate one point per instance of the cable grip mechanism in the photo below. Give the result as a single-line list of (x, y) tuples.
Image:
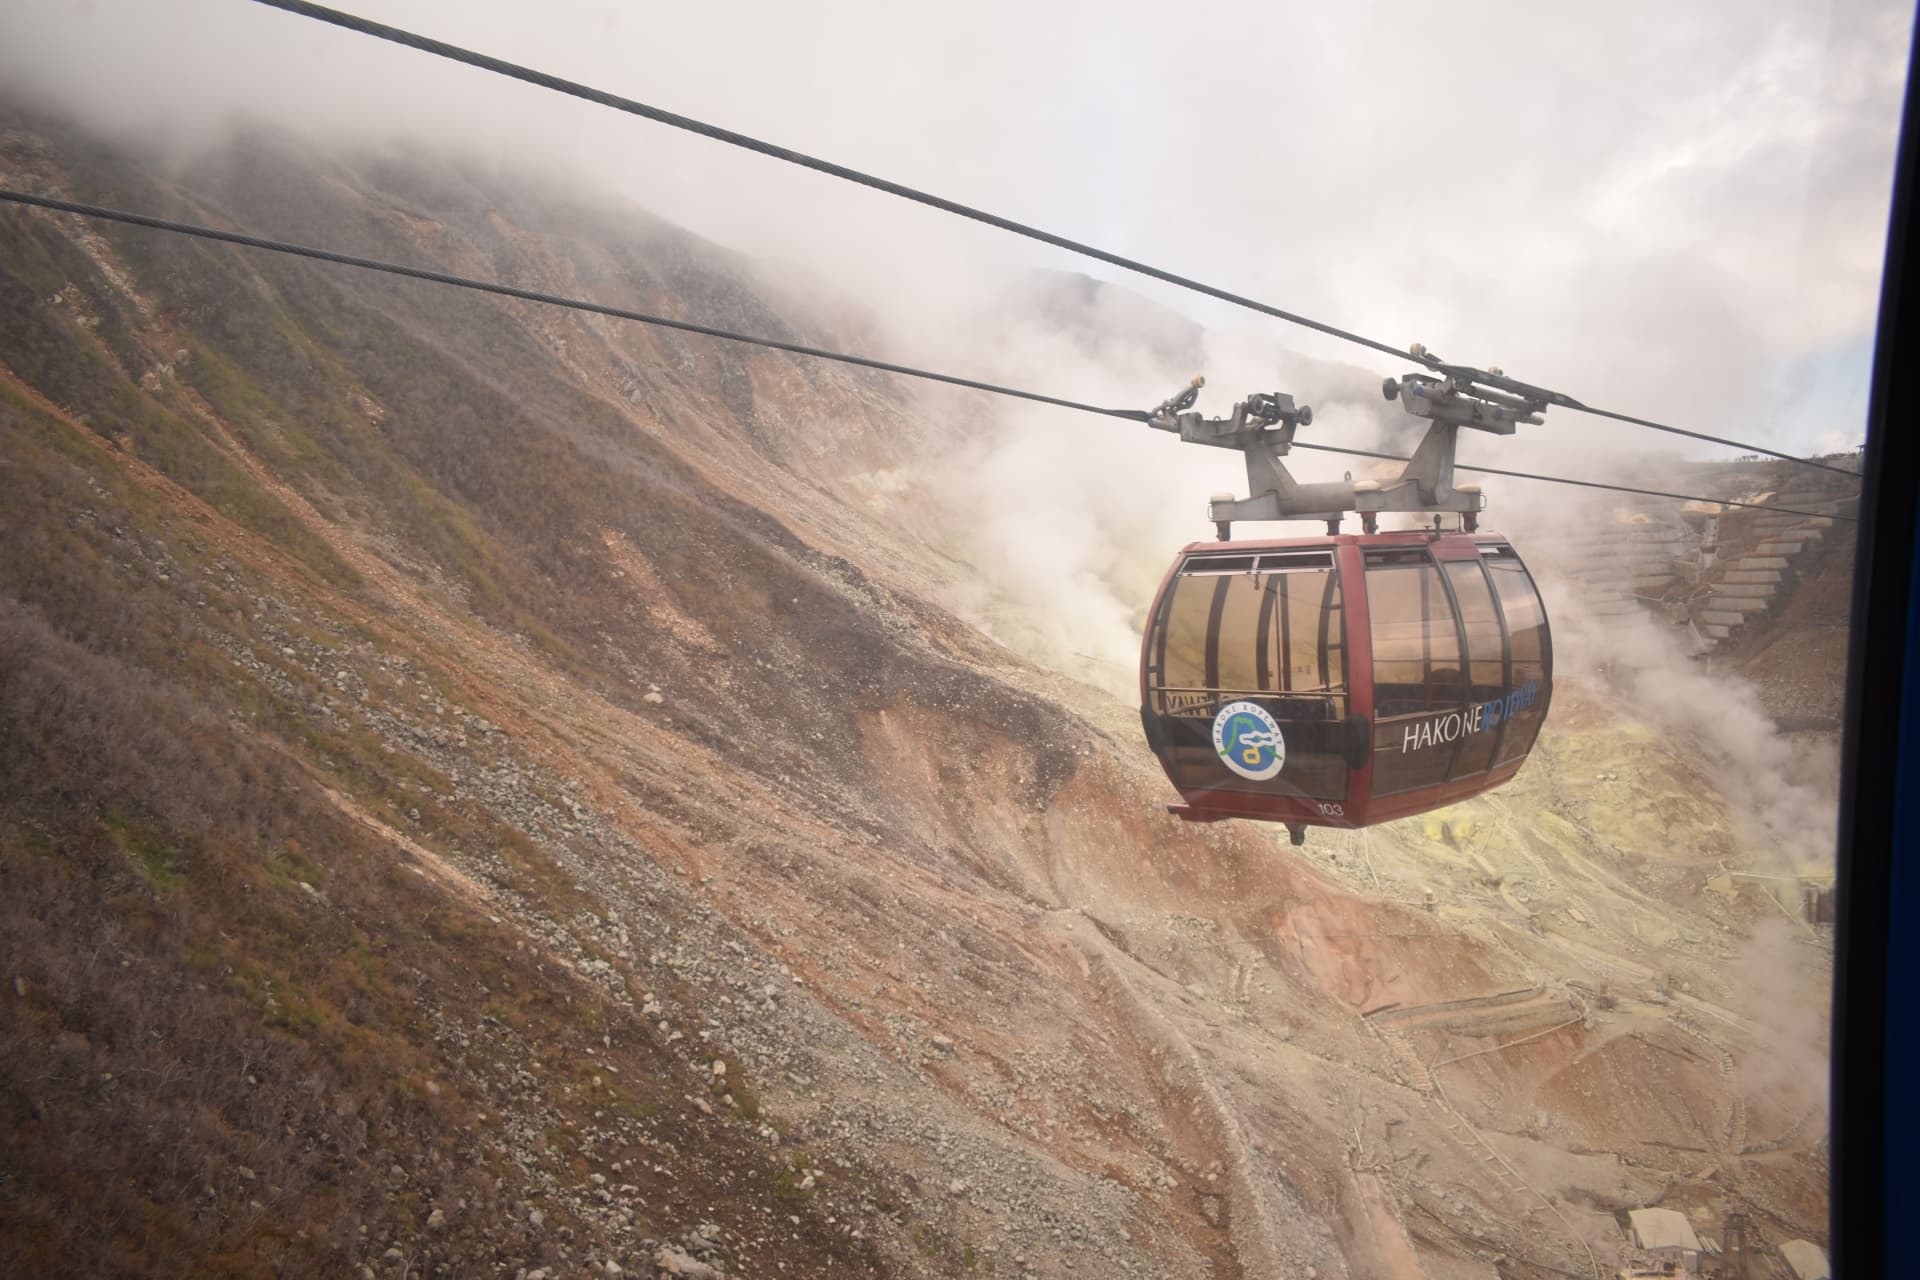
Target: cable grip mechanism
[(1263, 425)]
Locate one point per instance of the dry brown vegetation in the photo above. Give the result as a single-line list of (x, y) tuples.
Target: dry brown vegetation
[(227, 1010)]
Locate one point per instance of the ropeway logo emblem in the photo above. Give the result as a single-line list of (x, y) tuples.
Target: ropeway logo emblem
[(1249, 741)]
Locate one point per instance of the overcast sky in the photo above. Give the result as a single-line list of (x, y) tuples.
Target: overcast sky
[(1677, 211)]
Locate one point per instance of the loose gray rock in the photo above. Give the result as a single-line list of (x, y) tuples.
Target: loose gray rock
[(676, 1262)]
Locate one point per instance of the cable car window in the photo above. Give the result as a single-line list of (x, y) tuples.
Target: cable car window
[(1310, 631), (1416, 648), (1239, 601), (1397, 555), (1525, 707), (1275, 639), (1418, 692), (1481, 623), (1296, 560), (1218, 564), (1183, 661)]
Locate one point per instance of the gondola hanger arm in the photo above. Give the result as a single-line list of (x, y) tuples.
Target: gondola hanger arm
[(1262, 429)]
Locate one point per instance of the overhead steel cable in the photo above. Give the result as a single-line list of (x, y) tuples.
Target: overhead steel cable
[(1560, 399), (600, 97), (1584, 484), (551, 299), (499, 66), (726, 335)]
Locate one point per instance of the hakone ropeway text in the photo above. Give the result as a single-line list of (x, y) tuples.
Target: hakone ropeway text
[(1481, 717)]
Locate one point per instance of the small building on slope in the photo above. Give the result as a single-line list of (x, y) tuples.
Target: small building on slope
[(1808, 1260), (1665, 1235)]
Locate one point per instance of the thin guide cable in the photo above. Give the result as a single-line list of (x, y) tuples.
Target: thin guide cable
[(196, 231), (551, 299)]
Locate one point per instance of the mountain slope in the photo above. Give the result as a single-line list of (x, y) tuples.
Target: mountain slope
[(488, 789)]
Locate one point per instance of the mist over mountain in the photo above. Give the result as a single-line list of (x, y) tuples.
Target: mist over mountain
[(489, 789)]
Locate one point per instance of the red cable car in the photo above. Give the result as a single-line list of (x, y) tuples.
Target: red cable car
[(1348, 679)]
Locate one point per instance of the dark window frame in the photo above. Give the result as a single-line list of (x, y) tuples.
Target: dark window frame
[(1479, 562)]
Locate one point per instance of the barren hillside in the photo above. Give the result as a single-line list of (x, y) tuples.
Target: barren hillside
[(488, 791)]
